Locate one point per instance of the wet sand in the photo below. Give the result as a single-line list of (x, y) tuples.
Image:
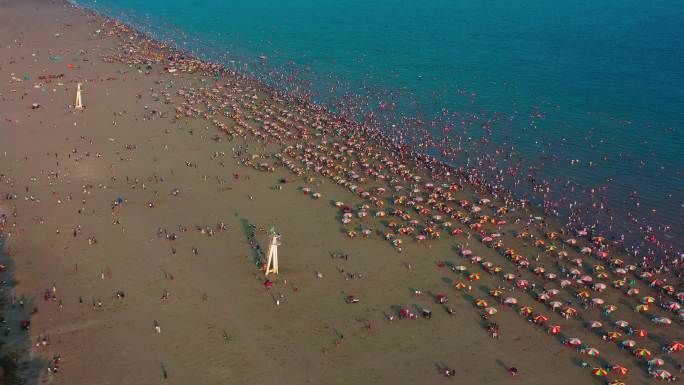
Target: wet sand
[(65, 169)]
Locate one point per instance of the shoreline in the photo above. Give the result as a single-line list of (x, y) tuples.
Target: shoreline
[(189, 160)]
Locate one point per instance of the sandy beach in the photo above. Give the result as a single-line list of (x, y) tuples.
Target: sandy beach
[(131, 226)]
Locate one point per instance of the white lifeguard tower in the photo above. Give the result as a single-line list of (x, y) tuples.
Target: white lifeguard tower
[(272, 259), (79, 102)]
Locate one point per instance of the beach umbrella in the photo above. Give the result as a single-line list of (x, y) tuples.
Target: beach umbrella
[(577, 261), (490, 311), (621, 323), (599, 372), (460, 268), (641, 333), (476, 259), (661, 320), (671, 306), (628, 343), (591, 352), (555, 305), (459, 286), (480, 303), (594, 324), (496, 293), (632, 292), (510, 301), (583, 294), (574, 342), (619, 283), (601, 275), (680, 296), (509, 277), (539, 270), (613, 335), (620, 271), (598, 301), (521, 283), (553, 292), (620, 370), (648, 300), (466, 252), (616, 382), (543, 297), (565, 283), (642, 353), (609, 308), (646, 275), (585, 250), (569, 312), (586, 279), (662, 374), (550, 276), (473, 277), (525, 310), (676, 346), (642, 308), (554, 329), (656, 362), (669, 289), (540, 319), (599, 286)]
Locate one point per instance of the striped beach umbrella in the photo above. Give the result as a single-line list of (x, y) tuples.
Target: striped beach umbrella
[(613, 335), (599, 372), (628, 343), (676, 346), (480, 303), (662, 374), (620, 370), (656, 362), (510, 301), (621, 323), (593, 352), (490, 311)]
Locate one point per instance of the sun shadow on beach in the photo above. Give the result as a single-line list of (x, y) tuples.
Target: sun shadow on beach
[(15, 342), (257, 252)]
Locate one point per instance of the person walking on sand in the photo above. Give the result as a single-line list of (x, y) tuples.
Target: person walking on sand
[(157, 327)]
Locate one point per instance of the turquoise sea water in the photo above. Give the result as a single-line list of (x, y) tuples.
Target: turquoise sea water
[(596, 81)]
